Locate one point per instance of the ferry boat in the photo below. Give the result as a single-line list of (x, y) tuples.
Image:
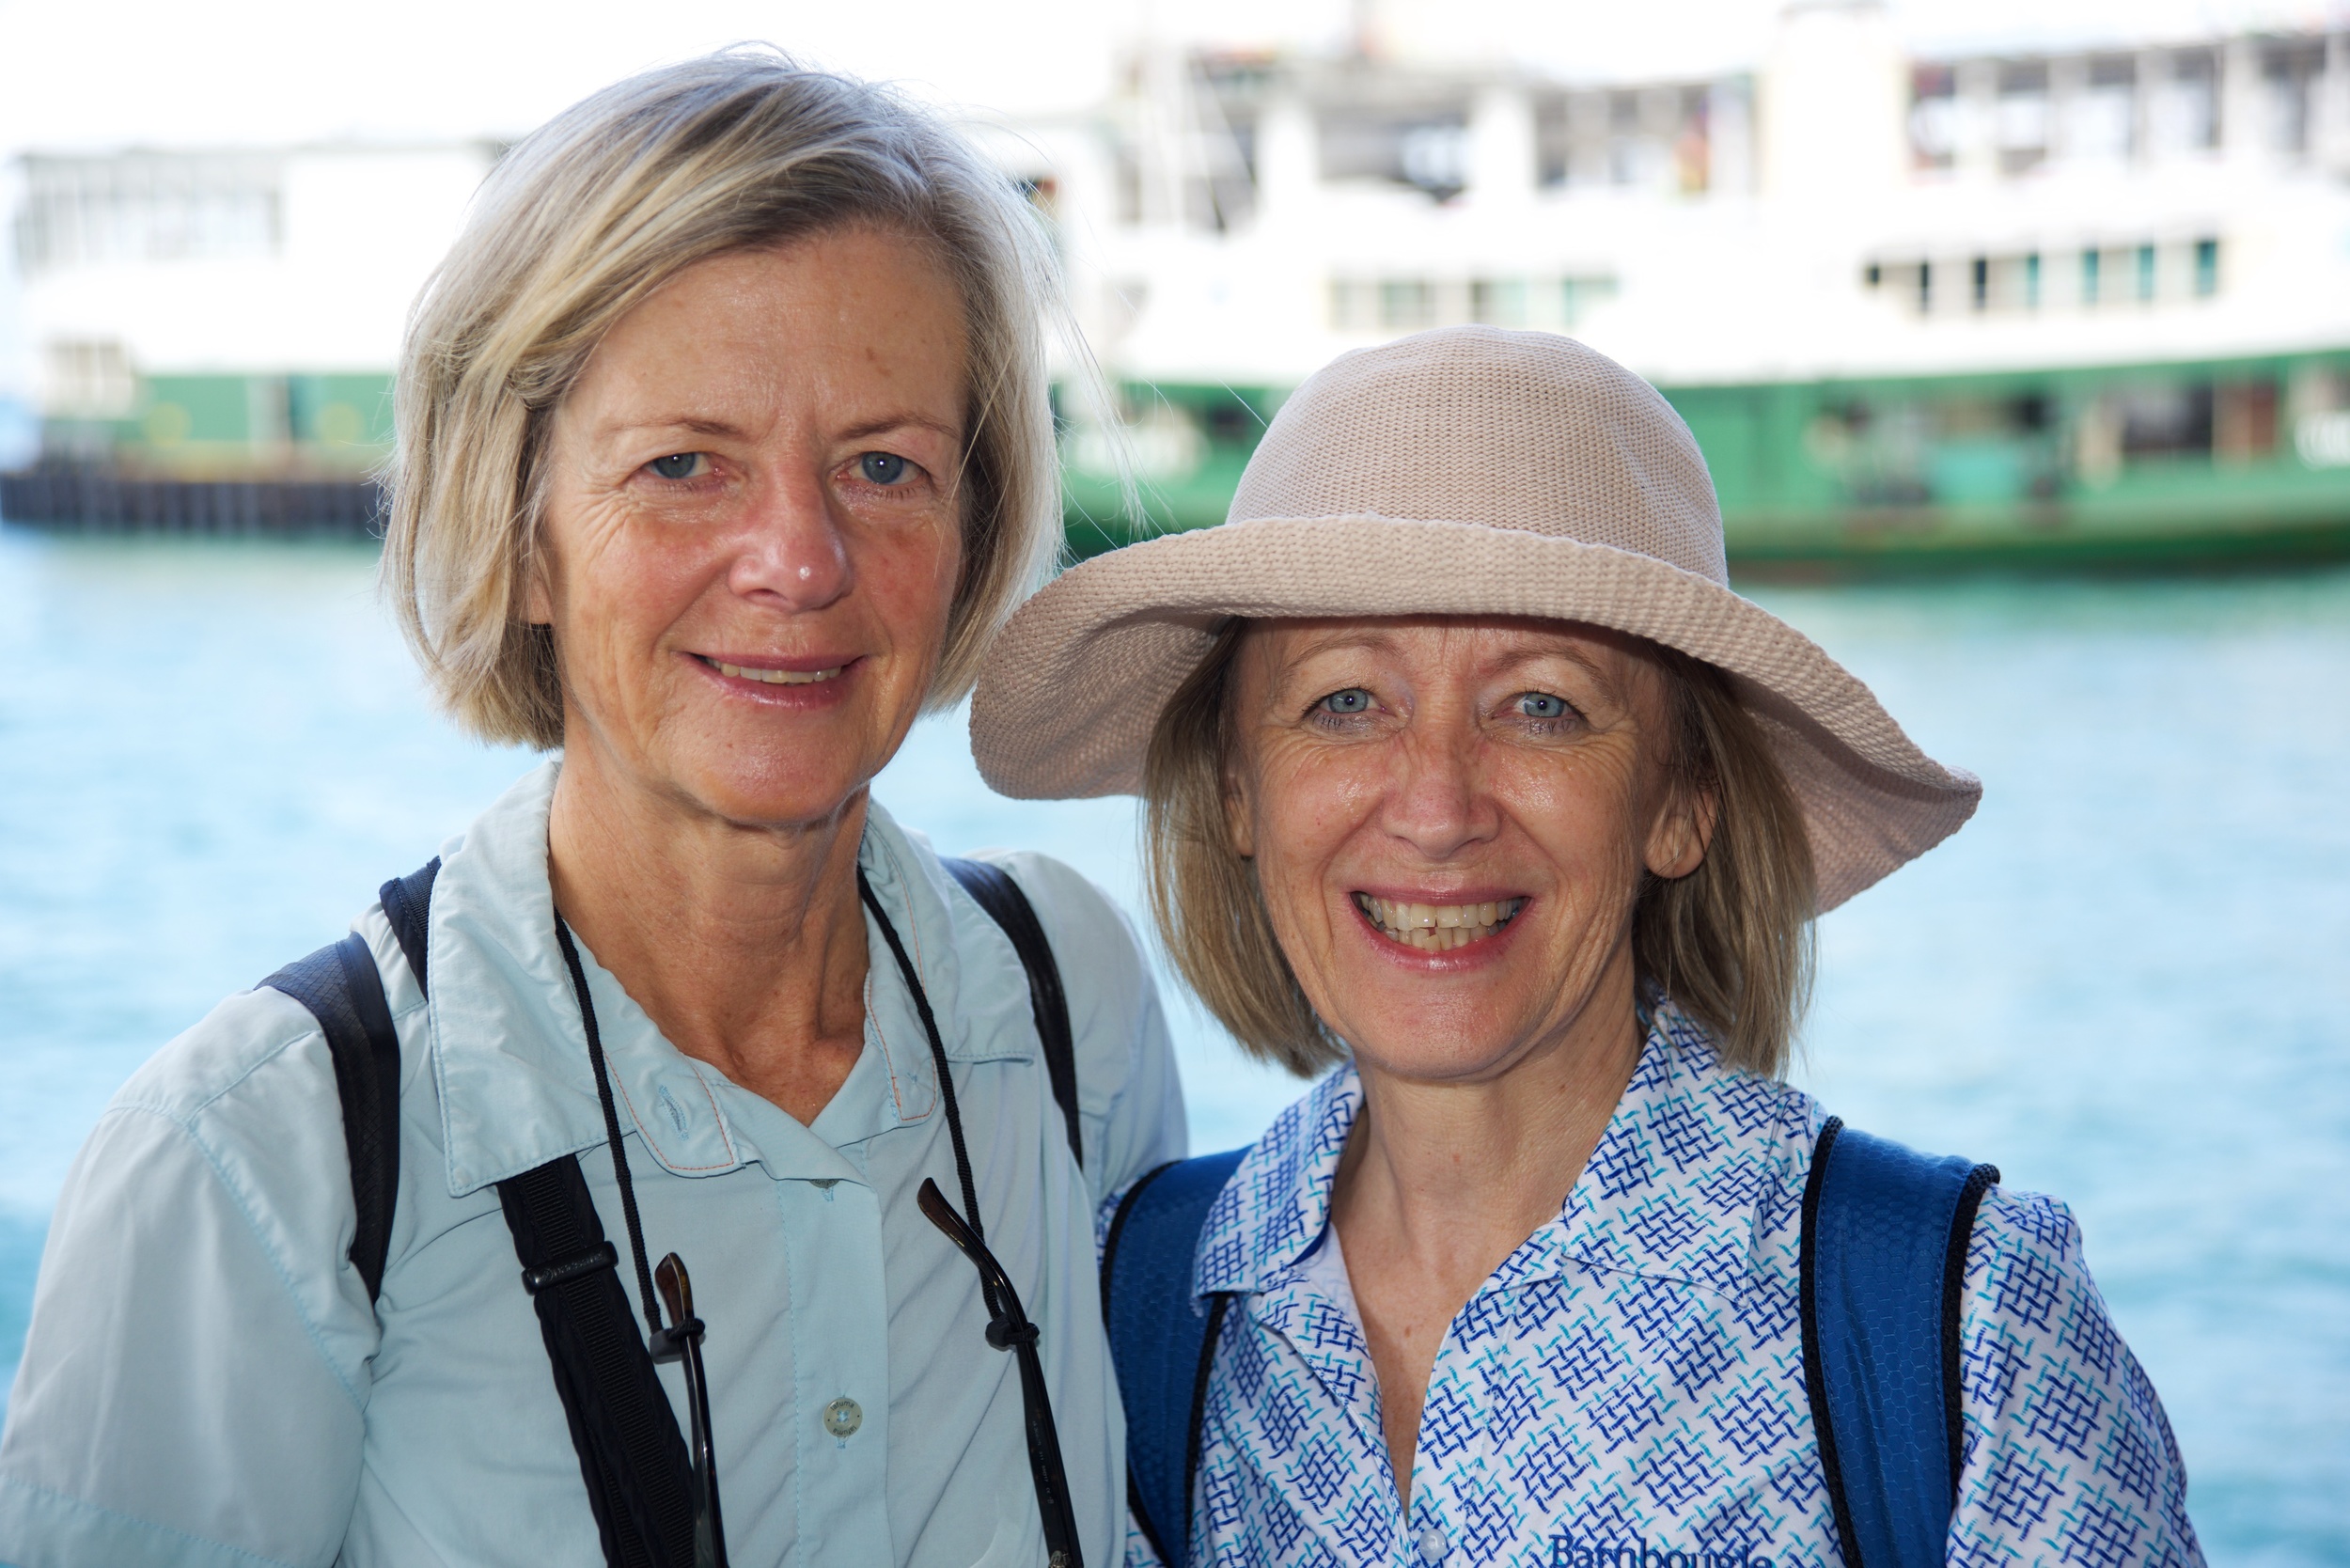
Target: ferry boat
[(214, 328), (1919, 306), (2090, 305)]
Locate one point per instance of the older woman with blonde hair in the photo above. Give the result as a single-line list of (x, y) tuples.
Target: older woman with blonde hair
[(723, 450), (1473, 788)]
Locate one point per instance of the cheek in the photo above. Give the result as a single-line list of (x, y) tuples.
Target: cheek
[(617, 579), (1581, 809), (1309, 805), (909, 574)]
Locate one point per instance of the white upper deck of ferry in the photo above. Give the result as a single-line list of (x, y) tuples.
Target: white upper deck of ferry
[(1848, 203)]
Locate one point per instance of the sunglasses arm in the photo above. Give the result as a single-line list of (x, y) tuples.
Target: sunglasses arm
[(1009, 1328), (682, 1341)]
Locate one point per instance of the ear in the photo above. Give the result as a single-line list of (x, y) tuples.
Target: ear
[(1680, 833), (537, 595), (1240, 816), (1235, 773)]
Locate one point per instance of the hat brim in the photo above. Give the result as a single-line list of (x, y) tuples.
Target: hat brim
[(1076, 683)]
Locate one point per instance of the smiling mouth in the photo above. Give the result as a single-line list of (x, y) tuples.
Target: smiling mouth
[(777, 677), (1437, 927)]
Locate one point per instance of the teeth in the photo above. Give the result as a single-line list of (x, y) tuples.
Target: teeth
[(1437, 927), (781, 677)]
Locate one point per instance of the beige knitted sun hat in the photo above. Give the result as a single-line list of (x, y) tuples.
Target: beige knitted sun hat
[(1466, 471)]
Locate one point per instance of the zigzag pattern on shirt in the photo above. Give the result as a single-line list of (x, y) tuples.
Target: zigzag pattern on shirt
[(1630, 1381)]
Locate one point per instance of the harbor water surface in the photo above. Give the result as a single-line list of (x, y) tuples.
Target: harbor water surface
[(2127, 983)]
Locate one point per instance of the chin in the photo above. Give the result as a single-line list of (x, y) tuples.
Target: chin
[(1435, 1043), (1464, 1064), (758, 797)]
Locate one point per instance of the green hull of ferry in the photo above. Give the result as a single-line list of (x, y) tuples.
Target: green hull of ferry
[(2192, 463), (2215, 461)]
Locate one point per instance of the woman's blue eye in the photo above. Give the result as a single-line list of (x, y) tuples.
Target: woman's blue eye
[(677, 465), (881, 467), (1542, 705), (1351, 700)]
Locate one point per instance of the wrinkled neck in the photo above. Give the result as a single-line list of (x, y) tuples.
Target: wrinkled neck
[(745, 944), (1455, 1175)]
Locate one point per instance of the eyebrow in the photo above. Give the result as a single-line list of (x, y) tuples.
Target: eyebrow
[(1383, 641), (697, 426), (1574, 655), (1338, 641), (1567, 650), (1380, 640), (951, 433), (700, 425)]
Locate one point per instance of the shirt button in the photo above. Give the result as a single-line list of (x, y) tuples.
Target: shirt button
[(842, 1417), (1432, 1545)]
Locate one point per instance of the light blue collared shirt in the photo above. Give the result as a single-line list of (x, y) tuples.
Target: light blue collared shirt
[(204, 1381)]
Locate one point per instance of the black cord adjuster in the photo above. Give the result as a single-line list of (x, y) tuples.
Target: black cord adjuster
[(1003, 1333), (548, 1275), (670, 1343)]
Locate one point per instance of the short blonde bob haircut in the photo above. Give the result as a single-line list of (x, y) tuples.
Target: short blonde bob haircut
[(590, 214), (1731, 943)]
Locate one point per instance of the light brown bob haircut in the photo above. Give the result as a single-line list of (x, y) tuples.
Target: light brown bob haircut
[(585, 218), (1730, 943)]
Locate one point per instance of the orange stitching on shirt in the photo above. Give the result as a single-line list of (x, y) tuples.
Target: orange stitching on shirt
[(717, 1120), (914, 927), (897, 1093)]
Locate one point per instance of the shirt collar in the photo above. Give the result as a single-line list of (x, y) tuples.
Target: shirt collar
[(1681, 1182), (510, 1054)]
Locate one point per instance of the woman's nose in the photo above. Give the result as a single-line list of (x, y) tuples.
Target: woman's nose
[(1437, 802), (793, 553)]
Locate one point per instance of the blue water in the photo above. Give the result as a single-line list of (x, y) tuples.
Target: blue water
[(2127, 983)]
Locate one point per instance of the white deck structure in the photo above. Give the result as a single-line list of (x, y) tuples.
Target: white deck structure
[(1844, 207)]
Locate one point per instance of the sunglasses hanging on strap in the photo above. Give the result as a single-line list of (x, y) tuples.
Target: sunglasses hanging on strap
[(1007, 1327), (656, 1498)]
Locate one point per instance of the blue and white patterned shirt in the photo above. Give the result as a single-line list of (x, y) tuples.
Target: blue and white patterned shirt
[(1629, 1384)]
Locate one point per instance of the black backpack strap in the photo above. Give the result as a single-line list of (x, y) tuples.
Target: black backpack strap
[(1162, 1340), (407, 902), (1882, 1287), (632, 1455), (339, 984), (993, 889)]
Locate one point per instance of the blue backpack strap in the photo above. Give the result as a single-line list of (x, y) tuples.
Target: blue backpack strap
[(1883, 1269), (1163, 1339)]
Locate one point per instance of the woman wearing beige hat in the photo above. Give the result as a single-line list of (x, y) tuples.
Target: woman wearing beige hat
[(1473, 788)]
